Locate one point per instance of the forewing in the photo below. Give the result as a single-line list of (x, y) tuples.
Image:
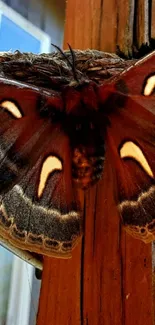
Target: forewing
[(38, 210)]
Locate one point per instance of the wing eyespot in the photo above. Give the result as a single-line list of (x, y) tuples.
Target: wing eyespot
[(11, 108), (149, 86), (130, 150), (50, 164)]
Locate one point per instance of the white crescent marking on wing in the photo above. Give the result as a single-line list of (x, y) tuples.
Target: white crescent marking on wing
[(49, 165), (12, 108), (150, 85), (130, 149)]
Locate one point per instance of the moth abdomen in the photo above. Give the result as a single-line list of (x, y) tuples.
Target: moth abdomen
[(86, 168)]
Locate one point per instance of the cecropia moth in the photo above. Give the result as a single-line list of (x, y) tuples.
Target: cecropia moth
[(56, 139)]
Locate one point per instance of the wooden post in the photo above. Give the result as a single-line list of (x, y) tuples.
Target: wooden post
[(109, 278)]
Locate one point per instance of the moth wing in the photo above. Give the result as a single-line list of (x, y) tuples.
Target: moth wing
[(39, 211), (130, 147)]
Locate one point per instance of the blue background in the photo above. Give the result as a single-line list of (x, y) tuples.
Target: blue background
[(13, 37)]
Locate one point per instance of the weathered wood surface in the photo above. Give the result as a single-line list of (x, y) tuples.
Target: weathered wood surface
[(142, 22), (109, 278), (153, 20)]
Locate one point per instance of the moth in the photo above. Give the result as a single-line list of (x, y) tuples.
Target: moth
[(54, 141)]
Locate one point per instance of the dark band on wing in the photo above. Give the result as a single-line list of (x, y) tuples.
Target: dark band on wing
[(139, 215), (57, 236)]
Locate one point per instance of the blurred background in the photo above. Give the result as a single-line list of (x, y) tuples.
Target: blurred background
[(27, 26)]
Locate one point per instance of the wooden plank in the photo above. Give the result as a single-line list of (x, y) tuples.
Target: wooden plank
[(137, 281), (82, 27), (108, 279), (153, 20), (108, 26), (104, 26), (60, 291), (102, 261), (142, 22), (125, 22)]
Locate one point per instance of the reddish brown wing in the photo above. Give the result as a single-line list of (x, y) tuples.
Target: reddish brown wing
[(130, 146), (38, 209)]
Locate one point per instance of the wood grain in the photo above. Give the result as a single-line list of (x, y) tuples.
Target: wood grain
[(102, 296), (102, 25), (153, 20), (137, 281), (60, 292), (142, 22), (83, 19), (125, 23)]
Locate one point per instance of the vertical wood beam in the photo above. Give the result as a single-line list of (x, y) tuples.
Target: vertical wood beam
[(108, 279)]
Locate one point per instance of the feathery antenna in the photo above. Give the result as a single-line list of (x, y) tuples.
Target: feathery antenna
[(71, 64)]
